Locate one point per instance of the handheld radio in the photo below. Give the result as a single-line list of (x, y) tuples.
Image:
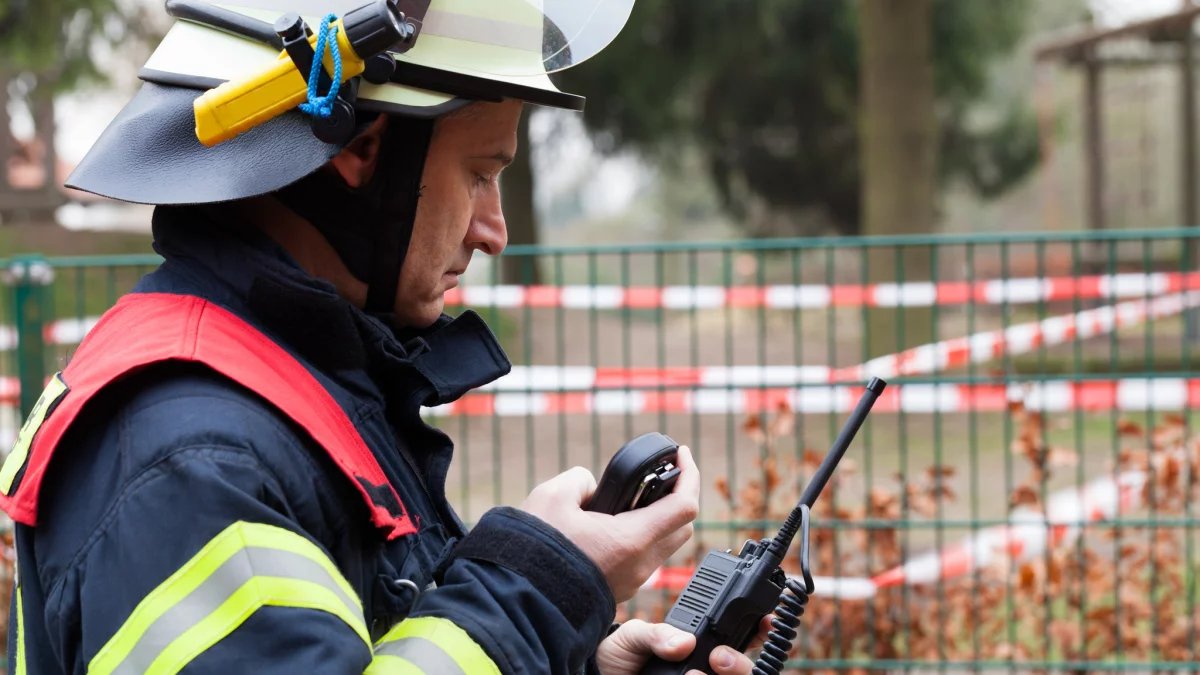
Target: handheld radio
[(727, 597), (643, 471)]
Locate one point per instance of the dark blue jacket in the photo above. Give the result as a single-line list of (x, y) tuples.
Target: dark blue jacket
[(160, 465)]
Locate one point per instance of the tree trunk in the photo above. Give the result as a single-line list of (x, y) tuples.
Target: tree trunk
[(1191, 198), (7, 142), (42, 103), (899, 157), (520, 213)]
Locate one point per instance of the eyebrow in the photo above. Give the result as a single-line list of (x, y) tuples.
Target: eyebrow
[(502, 157)]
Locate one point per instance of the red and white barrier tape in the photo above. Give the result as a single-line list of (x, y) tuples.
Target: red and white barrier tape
[(1025, 537), (1094, 395), (588, 378), (811, 296), (817, 296), (1019, 339), (1126, 395), (931, 358), (936, 357)]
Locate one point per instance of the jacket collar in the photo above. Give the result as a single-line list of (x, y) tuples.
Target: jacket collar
[(241, 268)]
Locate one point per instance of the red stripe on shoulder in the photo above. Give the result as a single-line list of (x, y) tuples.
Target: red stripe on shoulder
[(147, 328)]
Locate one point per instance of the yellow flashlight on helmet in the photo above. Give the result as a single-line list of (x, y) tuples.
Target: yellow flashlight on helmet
[(237, 106)]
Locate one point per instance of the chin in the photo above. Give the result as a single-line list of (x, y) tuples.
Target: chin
[(422, 316)]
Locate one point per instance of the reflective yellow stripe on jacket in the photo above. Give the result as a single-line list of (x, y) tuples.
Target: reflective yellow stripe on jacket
[(20, 658), (246, 567), (430, 646)]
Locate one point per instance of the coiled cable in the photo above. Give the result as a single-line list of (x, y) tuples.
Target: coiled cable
[(787, 619)]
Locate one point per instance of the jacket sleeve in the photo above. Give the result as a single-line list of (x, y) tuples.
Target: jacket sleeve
[(526, 594)]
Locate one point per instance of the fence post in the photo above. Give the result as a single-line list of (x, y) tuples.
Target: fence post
[(29, 277)]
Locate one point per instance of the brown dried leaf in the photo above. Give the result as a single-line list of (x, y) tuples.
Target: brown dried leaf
[(784, 422), (752, 427), (1128, 427), (1167, 437), (1029, 448), (923, 504), (1174, 420), (722, 486), (939, 471), (1067, 634), (1024, 495), (1029, 579), (1130, 549), (946, 492), (884, 505), (774, 477), (1032, 425), (813, 459)]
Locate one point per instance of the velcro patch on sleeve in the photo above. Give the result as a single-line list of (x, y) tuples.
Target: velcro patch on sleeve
[(555, 577)]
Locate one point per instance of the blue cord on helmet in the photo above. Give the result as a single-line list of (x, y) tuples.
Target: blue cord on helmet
[(322, 106)]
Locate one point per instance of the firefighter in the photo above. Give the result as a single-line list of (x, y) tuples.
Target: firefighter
[(232, 473)]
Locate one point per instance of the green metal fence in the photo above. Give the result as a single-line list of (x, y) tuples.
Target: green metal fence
[(1039, 410)]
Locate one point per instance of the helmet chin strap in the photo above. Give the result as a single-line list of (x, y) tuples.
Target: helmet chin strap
[(402, 153), (370, 227)]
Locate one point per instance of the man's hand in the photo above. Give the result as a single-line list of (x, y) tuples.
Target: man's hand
[(627, 547), (626, 651)]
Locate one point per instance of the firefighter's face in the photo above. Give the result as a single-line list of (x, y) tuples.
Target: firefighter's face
[(459, 211)]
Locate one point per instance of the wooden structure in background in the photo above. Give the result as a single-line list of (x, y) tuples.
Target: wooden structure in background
[(1083, 51)]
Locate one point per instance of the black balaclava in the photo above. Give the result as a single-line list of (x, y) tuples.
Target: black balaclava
[(370, 227)]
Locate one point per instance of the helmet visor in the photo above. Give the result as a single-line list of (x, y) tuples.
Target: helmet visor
[(525, 37)]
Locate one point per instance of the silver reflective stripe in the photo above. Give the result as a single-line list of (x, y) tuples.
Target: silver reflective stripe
[(443, 24), (308, 7), (423, 654), (234, 573), (485, 31)]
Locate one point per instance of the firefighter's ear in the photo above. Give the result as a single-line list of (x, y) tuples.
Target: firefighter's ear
[(356, 162)]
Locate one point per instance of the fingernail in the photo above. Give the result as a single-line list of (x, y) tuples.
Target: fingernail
[(675, 641), (725, 659)]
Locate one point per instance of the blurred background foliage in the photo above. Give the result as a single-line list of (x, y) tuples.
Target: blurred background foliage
[(770, 100)]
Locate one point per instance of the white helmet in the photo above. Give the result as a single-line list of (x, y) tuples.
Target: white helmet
[(460, 51), (424, 59)]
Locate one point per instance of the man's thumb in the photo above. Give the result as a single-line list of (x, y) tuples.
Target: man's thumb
[(666, 642), (577, 484)]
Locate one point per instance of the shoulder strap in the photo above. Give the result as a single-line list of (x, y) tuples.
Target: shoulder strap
[(147, 328)]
